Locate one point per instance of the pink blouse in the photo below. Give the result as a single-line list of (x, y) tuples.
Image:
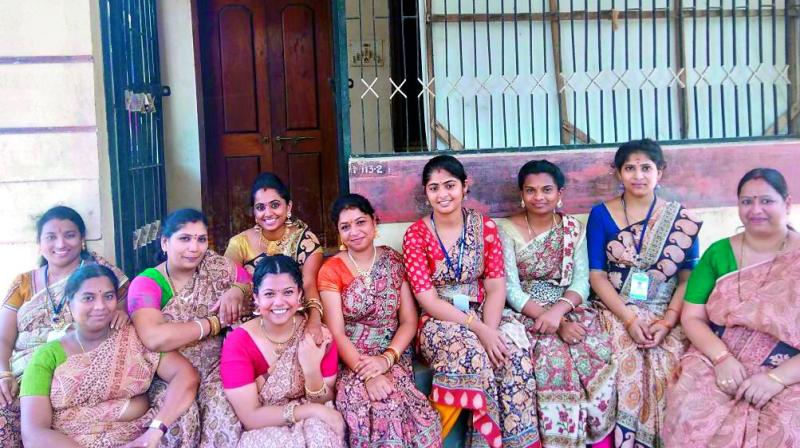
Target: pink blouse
[(242, 362)]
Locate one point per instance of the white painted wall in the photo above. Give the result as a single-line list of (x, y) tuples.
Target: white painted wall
[(181, 131), (38, 168)]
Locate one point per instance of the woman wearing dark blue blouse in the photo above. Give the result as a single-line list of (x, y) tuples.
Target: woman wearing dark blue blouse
[(641, 251)]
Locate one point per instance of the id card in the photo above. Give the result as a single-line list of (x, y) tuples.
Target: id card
[(640, 282), (54, 335), (461, 301)]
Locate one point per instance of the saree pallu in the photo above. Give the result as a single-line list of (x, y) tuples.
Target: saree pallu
[(405, 418), (33, 325), (281, 385), (212, 422), (575, 383), (298, 242), (642, 374), (90, 391), (502, 399), (759, 326)]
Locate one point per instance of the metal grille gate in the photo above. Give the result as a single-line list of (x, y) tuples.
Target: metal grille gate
[(135, 129)]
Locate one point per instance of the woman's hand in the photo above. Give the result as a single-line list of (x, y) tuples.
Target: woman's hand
[(492, 341), (730, 375), (309, 354), (230, 306), (758, 389), (120, 318), (329, 416), (8, 391), (379, 388), (659, 331), (371, 366), (149, 439), (314, 328), (548, 322), (571, 332), (640, 333)]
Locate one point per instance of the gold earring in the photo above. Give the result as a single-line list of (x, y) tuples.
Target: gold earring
[(342, 247), (289, 215)]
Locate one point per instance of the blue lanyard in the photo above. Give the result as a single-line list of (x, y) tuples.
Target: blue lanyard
[(644, 227), (447, 259)]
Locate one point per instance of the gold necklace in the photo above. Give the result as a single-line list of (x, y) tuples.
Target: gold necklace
[(365, 273), (273, 247), (531, 233), (78, 338), (278, 344), (742, 266)]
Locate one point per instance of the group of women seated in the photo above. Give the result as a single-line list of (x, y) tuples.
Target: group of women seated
[(547, 332)]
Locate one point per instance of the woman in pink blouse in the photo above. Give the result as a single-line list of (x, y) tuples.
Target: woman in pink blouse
[(278, 380)]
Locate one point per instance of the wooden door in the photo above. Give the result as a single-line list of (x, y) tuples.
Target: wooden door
[(268, 103)]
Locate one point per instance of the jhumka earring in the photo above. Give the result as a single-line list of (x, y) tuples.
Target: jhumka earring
[(560, 204), (342, 247), (521, 203)]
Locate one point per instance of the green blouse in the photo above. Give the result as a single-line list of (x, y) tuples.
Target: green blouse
[(717, 261), (38, 374)]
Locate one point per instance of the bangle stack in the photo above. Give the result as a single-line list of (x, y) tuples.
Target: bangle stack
[(6, 374), (216, 326), (391, 351), (389, 360), (316, 304), (566, 300), (288, 413), (318, 395)]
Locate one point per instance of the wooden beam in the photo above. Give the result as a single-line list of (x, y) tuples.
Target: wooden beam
[(783, 120), (609, 14), (555, 35), (443, 133), (578, 133)]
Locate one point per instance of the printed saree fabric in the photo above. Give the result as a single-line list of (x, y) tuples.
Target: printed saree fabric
[(283, 383), (34, 308), (216, 424), (502, 400), (669, 246), (297, 242), (755, 312), (90, 391), (575, 383), (371, 320)]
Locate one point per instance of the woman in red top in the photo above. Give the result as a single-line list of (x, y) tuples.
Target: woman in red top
[(480, 358), (277, 379)]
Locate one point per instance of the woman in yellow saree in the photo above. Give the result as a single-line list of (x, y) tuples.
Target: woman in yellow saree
[(34, 310)]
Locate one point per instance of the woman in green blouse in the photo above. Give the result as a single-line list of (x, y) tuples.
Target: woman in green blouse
[(739, 381)]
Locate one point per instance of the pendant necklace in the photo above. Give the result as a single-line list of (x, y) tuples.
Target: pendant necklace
[(366, 274)]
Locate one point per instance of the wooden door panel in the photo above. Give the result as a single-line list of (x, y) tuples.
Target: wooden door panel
[(300, 67), (267, 69), (239, 105), (241, 172)]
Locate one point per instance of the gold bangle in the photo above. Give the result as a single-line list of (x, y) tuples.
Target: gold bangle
[(288, 413), (243, 287), (317, 395), (470, 318), (394, 353), (388, 359), (316, 304), (721, 357), (6, 374), (630, 321), (777, 379), (216, 326)]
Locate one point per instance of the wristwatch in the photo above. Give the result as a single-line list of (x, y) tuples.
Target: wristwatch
[(159, 425)]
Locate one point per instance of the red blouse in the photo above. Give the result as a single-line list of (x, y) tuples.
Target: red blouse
[(422, 254)]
